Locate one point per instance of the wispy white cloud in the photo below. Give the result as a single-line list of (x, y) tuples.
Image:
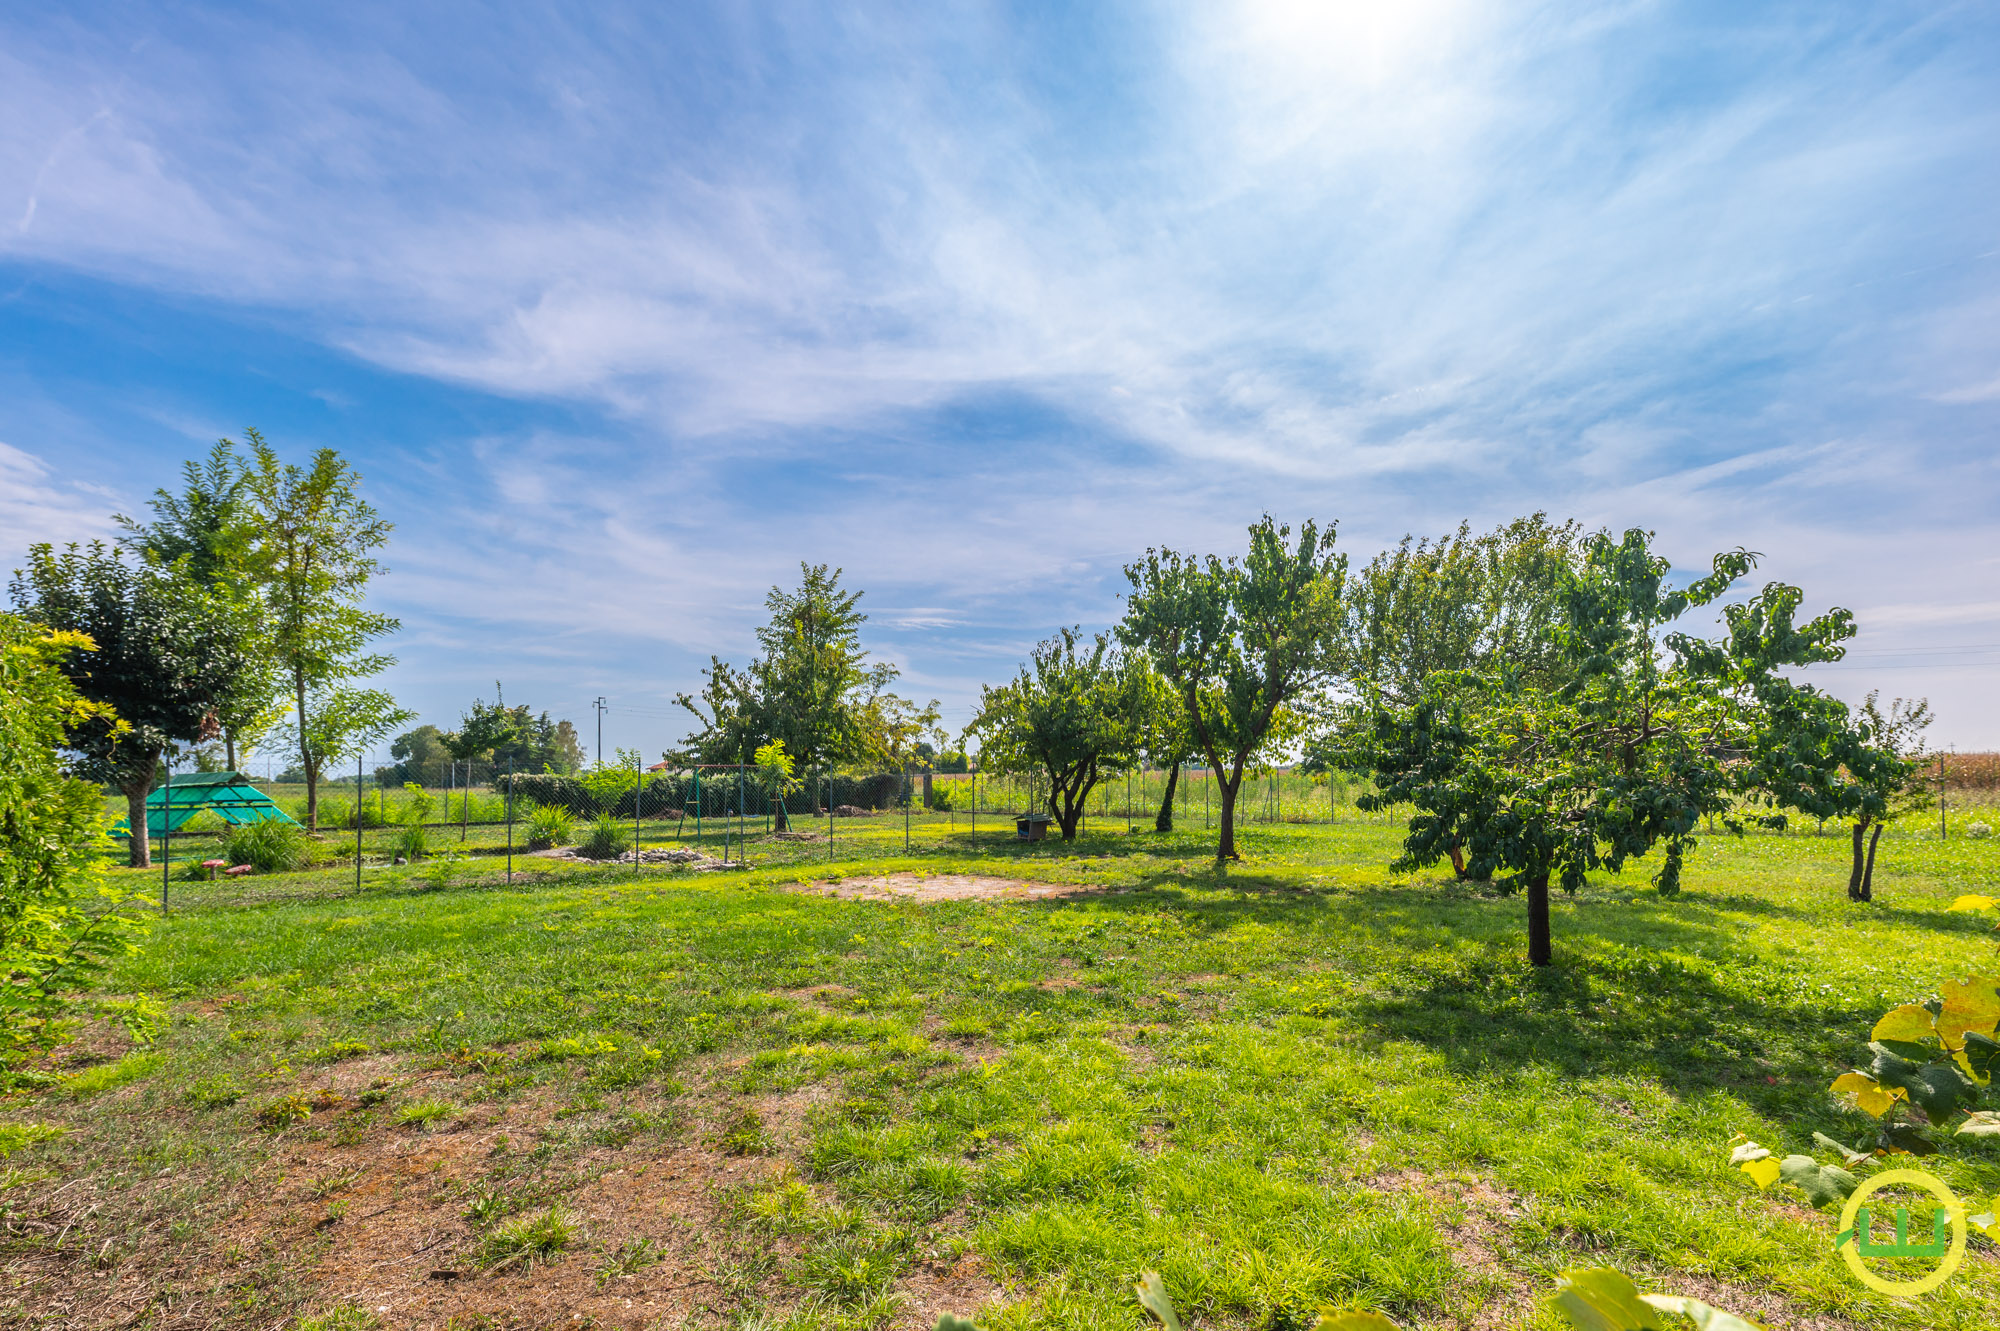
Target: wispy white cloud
[(1049, 296)]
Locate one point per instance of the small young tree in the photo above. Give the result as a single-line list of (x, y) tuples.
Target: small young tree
[(165, 653), (1803, 750), (1897, 734), (1070, 715), (313, 558), (774, 773), (1244, 645)]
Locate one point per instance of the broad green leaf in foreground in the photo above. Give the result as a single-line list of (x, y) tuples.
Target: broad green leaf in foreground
[(1823, 1185)]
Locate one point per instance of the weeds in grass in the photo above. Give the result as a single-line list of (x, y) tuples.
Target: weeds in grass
[(340, 1317), (540, 1237), (745, 1134), (488, 1205), (285, 1111), (14, 1136), (426, 1113), (629, 1257), (607, 839), (215, 1091)]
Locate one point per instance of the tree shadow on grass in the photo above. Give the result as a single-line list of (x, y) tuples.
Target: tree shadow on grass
[(1445, 968)]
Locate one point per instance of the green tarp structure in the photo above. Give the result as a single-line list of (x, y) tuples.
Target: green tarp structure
[(229, 795)]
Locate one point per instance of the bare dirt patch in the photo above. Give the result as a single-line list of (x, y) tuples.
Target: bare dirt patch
[(938, 887)]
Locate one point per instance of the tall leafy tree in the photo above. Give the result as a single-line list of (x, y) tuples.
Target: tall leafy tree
[(313, 557), (1246, 645), (1076, 711), (164, 651), (1461, 602), (208, 526), (811, 686), (1644, 740)]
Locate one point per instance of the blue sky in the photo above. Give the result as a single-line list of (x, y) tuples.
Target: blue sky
[(623, 314)]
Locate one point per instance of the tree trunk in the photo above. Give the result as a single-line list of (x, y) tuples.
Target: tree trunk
[(1164, 820), (306, 758), (1065, 806), (229, 749), (1225, 845), (1458, 858), (1539, 950), (927, 790), (1855, 868), (139, 846), (1868, 874), (780, 821)]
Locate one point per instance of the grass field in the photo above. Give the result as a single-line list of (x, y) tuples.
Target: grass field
[(610, 1097)]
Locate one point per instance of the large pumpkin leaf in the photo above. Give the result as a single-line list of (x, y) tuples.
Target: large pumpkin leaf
[(1909, 1023), (1936, 1088), (1904, 1139), (1601, 1299), (1335, 1320), (1868, 1095), (1981, 1123), (1153, 1298), (1847, 1153), (1701, 1314), (1972, 1004), (1823, 1185), (1980, 1058)]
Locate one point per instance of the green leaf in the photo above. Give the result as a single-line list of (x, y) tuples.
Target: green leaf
[(1705, 1317), (1980, 1057), (1153, 1298), (1936, 1088), (946, 1322), (1335, 1319), (1823, 1185), (1983, 1123), (1905, 1138), (1847, 1153), (1746, 1152), (1602, 1299)]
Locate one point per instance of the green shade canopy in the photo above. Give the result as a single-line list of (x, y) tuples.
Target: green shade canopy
[(229, 794)]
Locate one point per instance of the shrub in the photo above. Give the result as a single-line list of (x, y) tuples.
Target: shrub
[(272, 846), (549, 826), (50, 827), (607, 839), (1979, 831), (413, 842)]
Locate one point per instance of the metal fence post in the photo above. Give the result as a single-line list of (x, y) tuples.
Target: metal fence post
[(906, 809), (510, 821), (357, 821), (741, 819), (638, 793), (166, 832)]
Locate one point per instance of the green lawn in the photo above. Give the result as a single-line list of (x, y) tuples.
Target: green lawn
[(1303, 1080)]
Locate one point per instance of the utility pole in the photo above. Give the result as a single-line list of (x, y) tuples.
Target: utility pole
[(599, 705)]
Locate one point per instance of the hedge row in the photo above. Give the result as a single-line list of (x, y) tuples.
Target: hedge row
[(720, 794)]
